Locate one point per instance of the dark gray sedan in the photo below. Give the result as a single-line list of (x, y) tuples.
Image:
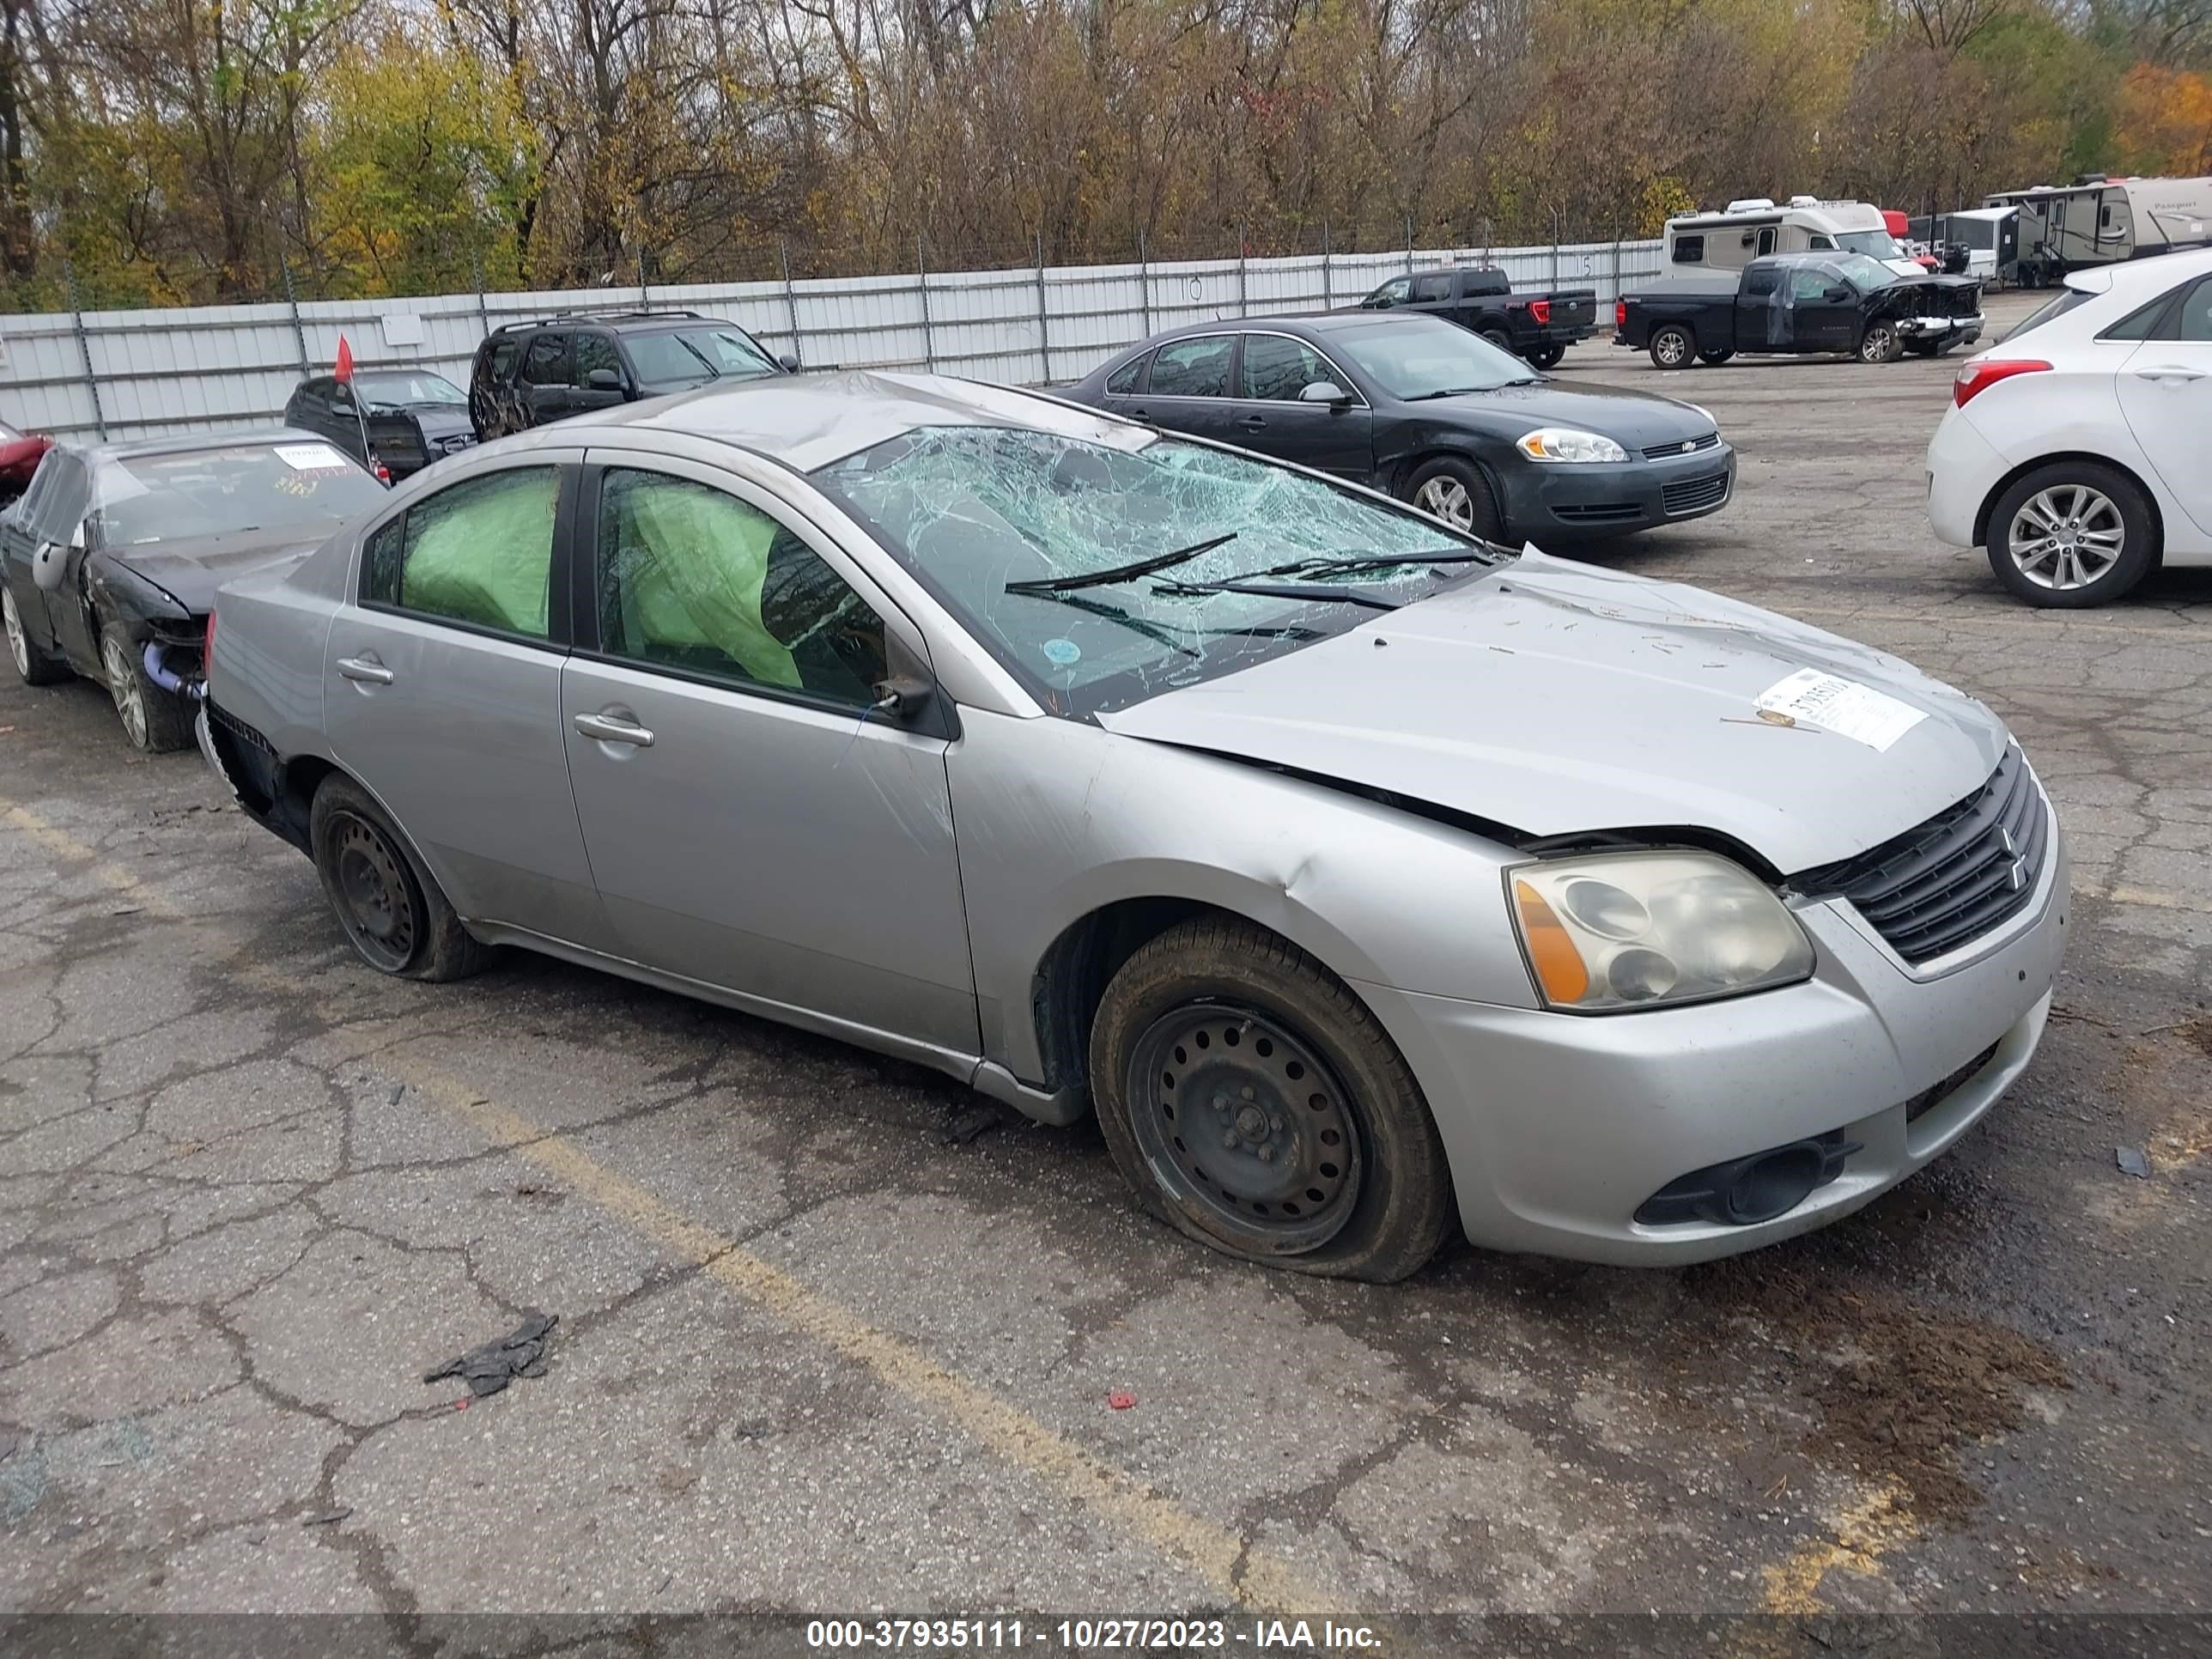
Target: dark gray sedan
[(1431, 414)]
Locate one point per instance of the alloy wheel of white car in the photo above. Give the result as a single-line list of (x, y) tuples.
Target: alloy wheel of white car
[(18, 646), (2066, 537)]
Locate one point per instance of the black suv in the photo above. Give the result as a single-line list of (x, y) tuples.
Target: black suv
[(529, 374)]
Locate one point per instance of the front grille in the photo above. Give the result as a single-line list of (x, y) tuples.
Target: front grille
[(1599, 512), (1667, 452), (1954, 878), (1694, 494)]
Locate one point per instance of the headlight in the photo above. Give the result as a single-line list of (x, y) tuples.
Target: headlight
[(1567, 443), (1616, 931)]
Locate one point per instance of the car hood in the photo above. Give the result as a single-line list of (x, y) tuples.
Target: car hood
[(190, 569), (1635, 420), (1554, 698)]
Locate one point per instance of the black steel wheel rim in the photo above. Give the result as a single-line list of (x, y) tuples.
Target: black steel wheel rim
[(376, 902), (1242, 1122)]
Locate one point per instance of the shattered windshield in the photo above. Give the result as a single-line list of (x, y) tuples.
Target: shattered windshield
[(1116, 558)]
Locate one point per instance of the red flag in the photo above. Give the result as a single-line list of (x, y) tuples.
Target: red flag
[(345, 362)]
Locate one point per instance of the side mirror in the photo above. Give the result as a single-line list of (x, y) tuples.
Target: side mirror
[(1839, 295), (788, 362), (903, 697), (48, 565), (1324, 392), (604, 380)]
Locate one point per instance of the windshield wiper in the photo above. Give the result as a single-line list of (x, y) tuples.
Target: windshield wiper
[(1446, 392), (1120, 572), (1344, 564), (1311, 592)]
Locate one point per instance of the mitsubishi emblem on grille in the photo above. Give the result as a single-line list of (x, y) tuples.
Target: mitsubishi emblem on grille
[(2018, 873), (2011, 847)]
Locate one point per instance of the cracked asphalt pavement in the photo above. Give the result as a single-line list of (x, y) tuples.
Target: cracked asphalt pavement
[(815, 1354)]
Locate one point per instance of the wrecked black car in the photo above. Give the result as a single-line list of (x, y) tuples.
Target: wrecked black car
[(110, 562), (1796, 304)]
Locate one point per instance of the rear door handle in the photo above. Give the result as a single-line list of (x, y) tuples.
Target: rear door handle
[(2169, 372), (367, 669), (610, 728), (1254, 422)]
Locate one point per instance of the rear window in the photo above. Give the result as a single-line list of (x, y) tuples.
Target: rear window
[(227, 491), (2058, 306)]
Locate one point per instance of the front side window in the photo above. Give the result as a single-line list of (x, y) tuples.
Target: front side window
[(1808, 285), (595, 352), (228, 490), (972, 510), (479, 553), (1192, 368), (691, 578), (1396, 292), (54, 506), (1277, 368)]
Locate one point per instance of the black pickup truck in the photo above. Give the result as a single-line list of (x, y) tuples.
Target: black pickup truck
[(1536, 327), (1800, 303)]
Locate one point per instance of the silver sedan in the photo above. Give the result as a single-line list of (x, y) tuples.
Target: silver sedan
[(1363, 879)]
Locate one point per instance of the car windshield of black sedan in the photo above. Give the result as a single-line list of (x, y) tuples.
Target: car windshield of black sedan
[(971, 509), (212, 492), (411, 390), (1417, 357), (684, 357)]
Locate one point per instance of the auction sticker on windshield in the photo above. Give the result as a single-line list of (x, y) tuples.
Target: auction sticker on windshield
[(1830, 704), (310, 457)]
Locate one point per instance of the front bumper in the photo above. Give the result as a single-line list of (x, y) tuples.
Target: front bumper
[(1943, 330), (1611, 497), (1559, 1128)]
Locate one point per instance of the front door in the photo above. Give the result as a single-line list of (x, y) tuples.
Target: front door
[(749, 826), (2165, 392), (1820, 321), (442, 693), (1269, 415)]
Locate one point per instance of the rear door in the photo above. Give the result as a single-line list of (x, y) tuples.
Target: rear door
[(1188, 387), (545, 378), (750, 825), (1269, 415), (2165, 392), (441, 694)]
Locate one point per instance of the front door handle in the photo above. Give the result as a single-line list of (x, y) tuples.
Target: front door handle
[(1254, 422), (613, 728), (2169, 372), (367, 669)]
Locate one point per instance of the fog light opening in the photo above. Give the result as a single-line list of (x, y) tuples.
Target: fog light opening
[(1775, 1184)]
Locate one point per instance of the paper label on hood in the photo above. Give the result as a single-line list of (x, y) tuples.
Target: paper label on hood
[(311, 458), (1830, 703)]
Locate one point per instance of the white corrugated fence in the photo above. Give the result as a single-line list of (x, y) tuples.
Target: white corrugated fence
[(142, 373)]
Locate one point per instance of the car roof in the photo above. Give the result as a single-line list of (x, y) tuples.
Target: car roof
[(2145, 277), (190, 442), (635, 321), (808, 421)]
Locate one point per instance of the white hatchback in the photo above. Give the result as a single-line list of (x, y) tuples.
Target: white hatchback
[(2079, 451)]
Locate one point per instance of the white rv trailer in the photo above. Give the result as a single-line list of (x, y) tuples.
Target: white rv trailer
[(2100, 220), (1745, 230), (1990, 237)]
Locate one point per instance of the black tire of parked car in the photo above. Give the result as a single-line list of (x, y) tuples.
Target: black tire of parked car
[(1881, 343), (1483, 519), (393, 912), (1391, 1188), (1546, 356), (2140, 549), (155, 721), (1714, 359), (32, 666), (1673, 346), (1498, 338)]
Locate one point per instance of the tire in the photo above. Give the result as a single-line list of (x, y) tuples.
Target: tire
[(2108, 518), (1881, 343), (1546, 356), (1455, 491), (154, 720), (1335, 1168), (1673, 346), (393, 910), (33, 666), (1500, 338), (1714, 359)]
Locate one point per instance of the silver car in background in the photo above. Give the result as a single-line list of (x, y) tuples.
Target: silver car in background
[(1360, 876)]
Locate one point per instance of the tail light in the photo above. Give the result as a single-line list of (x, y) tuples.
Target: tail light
[(383, 473), (1621, 313), (1539, 313), (1979, 376)]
